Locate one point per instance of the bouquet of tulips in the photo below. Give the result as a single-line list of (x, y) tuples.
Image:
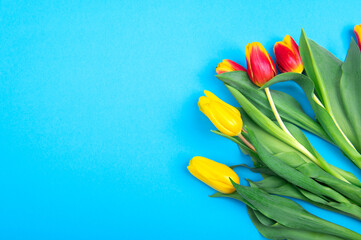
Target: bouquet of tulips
[(267, 128)]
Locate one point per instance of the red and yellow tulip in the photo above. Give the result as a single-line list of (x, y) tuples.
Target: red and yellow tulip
[(214, 174), (288, 58), (357, 31), (260, 66), (228, 66)]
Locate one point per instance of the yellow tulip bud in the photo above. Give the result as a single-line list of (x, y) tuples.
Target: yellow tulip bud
[(214, 174), (224, 116)]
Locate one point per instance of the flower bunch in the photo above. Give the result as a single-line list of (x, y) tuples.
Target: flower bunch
[(267, 128)]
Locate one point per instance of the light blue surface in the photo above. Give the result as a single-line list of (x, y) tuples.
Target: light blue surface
[(99, 116)]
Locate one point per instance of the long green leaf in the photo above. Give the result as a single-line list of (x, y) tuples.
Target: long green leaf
[(351, 191), (350, 87), (278, 232), (290, 214), (278, 186), (324, 69)]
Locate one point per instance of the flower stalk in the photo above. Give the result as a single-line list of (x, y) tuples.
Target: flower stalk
[(245, 141), (275, 112)]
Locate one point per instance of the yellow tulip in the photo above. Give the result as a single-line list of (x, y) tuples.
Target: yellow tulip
[(224, 116), (214, 174)]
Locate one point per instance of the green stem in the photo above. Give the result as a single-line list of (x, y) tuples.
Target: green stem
[(275, 112)]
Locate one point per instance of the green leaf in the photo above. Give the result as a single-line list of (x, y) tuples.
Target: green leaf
[(321, 66), (350, 86), (289, 214), (262, 218), (351, 191), (278, 186), (289, 109), (278, 232)]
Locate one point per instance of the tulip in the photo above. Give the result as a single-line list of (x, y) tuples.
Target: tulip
[(260, 66), (229, 66), (214, 174), (357, 31), (288, 58), (225, 117)]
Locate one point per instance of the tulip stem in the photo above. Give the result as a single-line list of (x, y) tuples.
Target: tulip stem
[(245, 141), (275, 112)]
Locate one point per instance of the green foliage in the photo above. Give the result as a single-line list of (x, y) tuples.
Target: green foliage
[(290, 165), (270, 211)]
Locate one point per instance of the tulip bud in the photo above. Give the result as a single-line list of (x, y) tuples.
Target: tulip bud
[(229, 66), (224, 116), (260, 66), (214, 174), (357, 31), (288, 58)]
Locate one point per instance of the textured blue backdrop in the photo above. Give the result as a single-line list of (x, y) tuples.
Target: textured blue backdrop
[(99, 116)]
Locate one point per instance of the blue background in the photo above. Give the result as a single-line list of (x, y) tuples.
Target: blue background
[(99, 115)]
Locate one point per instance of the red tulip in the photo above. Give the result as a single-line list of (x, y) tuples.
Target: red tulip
[(260, 66), (288, 58)]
